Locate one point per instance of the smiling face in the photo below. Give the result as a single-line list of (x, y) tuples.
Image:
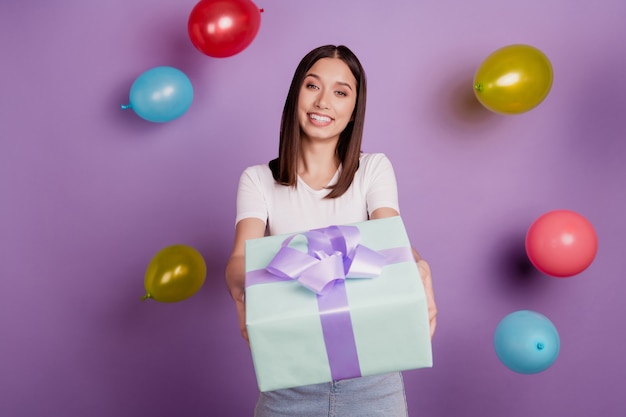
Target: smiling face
[(327, 99)]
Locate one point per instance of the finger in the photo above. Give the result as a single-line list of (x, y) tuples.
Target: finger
[(238, 295)]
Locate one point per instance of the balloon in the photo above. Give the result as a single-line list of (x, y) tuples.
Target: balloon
[(526, 342), (222, 28), (160, 94), (561, 243), (175, 273), (513, 79)]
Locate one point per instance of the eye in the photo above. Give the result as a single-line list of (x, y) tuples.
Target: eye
[(341, 93), (312, 86)]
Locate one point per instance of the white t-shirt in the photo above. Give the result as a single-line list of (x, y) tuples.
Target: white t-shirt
[(294, 209)]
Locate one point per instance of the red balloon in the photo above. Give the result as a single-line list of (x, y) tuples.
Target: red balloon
[(222, 28), (561, 243)]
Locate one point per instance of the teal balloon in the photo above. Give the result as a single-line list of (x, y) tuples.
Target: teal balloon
[(526, 342), (160, 94)]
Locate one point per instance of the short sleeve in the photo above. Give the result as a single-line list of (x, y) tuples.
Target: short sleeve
[(250, 197), (382, 188)]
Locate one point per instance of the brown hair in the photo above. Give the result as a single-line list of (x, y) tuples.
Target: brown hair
[(284, 168)]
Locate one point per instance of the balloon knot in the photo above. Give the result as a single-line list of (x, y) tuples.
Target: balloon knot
[(126, 106), (478, 86), (145, 297), (540, 346), (261, 10)]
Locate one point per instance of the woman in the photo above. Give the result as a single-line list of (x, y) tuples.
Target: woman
[(321, 178)]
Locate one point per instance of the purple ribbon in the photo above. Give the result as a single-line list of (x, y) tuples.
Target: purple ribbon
[(333, 255)]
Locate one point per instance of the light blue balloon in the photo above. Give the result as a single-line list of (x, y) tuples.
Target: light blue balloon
[(526, 342), (161, 94)]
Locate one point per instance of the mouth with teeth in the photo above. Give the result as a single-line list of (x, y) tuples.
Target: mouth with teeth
[(319, 119)]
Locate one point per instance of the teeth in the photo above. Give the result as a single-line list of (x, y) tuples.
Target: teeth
[(320, 118)]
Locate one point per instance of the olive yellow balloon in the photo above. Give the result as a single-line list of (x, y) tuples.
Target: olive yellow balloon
[(175, 273), (513, 79)]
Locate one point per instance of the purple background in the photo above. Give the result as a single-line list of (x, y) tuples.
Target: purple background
[(90, 193)]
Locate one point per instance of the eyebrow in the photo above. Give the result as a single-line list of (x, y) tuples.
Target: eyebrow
[(317, 77)]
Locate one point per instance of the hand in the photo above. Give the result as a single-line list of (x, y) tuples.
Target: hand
[(424, 270), (249, 228), (240, 304), (235, 281)]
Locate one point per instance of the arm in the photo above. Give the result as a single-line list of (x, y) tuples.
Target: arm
[(423, 267), (249, 228)]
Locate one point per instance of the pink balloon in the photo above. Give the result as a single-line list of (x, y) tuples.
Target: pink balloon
[(561, 243)]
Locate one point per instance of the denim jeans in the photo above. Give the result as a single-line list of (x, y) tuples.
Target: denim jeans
[(370, 396)]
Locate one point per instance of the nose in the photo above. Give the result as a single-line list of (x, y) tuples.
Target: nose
[(321, 101)]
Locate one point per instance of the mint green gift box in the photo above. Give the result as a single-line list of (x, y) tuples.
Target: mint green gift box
[(388, 314)]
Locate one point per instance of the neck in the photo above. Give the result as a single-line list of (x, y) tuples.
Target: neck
[(318, 163), (318, 157)]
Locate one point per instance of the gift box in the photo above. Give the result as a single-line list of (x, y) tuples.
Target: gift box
[(335, 303)]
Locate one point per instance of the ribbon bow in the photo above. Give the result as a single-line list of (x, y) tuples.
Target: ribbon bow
[(334, 254)]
